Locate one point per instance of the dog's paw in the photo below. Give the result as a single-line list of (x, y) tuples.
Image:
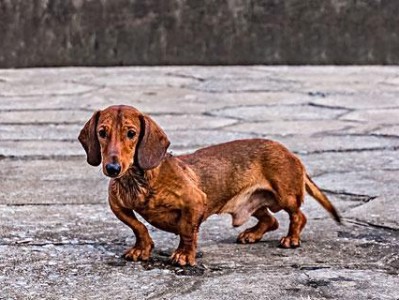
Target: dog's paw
[(255, 234), (137, 253), (290, 242), (183, 258), (249, 237)]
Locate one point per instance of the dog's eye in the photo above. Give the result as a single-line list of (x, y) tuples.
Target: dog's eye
[(131, 134), (102, 133)]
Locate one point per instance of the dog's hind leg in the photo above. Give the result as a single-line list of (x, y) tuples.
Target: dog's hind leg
[(266, 223), (297, 223)]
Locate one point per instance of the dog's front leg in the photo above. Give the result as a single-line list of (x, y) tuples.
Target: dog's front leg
[(144, 244), (189, 224)]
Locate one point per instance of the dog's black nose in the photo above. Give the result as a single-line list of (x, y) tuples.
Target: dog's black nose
[(113, 169)]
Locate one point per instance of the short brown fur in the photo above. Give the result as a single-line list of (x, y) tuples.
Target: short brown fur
[(177, 193)]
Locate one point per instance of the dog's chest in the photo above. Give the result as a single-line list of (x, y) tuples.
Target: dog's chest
[(163, 208)]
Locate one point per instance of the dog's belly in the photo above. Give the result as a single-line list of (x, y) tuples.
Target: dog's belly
[(243, 205), (164, 219)]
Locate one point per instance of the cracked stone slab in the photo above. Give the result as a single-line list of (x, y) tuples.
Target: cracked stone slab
[(92, 221), (202, 73), (27, 132), (358, 128), (382, 211), (188, 101), (67, 272), (155, 100), (58, 237), (96, 77), (343, 73), (260, 98), (319, 163), (284, 128), (67, 269), (325, 87), (187, 122), (70, 132), (96, 225), (194, 139), (61, 225), (299, 285), (373, 184), (279, 112), (173, 100), (388, 130), (38, 148), (225, 84), (380, 116), (342, 283), (28, 87), (182, 141), (351, 80), (134, 78), (336, 143), (38, 102), (31, 191), (51, 181), (107, 96), (45, 117), (369, 100)]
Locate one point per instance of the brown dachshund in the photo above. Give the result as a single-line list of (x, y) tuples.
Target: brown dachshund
[(243, 178)]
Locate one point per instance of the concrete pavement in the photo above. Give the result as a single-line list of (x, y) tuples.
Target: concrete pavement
[(59, 239)]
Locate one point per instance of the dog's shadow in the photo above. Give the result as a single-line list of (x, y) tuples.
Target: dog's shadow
[(161, 260)]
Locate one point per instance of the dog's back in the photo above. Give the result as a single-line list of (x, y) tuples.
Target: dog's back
[(242, 166)]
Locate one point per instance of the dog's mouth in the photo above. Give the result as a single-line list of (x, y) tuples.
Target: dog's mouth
[(120, 175), (112, 176)]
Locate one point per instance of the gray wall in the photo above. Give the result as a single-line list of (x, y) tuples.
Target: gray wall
[(147, 32)]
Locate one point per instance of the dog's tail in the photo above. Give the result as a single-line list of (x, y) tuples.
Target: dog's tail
[(314, 191)]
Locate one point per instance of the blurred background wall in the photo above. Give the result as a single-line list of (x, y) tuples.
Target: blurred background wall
[(155, 32)]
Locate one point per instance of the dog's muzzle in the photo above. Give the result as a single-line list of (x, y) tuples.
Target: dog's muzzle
[(113, 170)]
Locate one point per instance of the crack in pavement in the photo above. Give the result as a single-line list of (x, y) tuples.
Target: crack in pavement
[(46, 109), (349, 150), (43, 157), (360, 197), (195, 285), (369, 224), (54, 204), (178, 75), (231, 91), (40, 123), (394, 137), (51, 94), (336, 107), (29, 243), (41, 140), (304, 104)]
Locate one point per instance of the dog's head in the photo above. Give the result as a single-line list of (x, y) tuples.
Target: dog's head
[(121, 136)]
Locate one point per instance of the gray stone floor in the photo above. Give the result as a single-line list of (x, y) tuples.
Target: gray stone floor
[(59, 240)]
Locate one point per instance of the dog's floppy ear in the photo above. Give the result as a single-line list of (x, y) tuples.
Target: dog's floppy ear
[(152, 145), (88, 139)]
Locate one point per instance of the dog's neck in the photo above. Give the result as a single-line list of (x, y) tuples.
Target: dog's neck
[(135, 184)]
